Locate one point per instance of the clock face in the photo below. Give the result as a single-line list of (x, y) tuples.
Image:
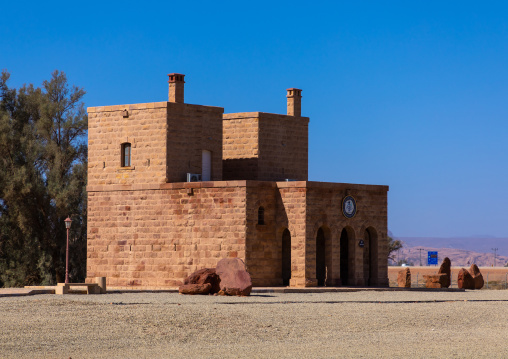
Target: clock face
[(349, 207)]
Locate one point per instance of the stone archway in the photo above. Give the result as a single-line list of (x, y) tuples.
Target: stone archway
[(371, 257), (344, 257), (286, 257), (348, 257), (366, 258), (320, 257)]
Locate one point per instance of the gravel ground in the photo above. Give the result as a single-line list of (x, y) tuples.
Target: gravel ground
[(471, 324)]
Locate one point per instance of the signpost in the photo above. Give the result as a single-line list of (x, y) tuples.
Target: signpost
[(432, 258)]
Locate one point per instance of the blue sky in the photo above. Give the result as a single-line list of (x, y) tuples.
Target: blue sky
[(408, 94)]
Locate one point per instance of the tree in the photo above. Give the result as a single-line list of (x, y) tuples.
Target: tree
[(43, 166), (393, 246)]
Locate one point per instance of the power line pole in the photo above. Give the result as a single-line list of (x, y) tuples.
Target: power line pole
[(420, 249), (495, 250)]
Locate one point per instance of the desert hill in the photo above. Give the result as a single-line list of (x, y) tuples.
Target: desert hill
[(461, 251)]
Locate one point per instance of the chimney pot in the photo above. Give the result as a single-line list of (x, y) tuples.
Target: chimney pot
[(176, 87), (294, 102)]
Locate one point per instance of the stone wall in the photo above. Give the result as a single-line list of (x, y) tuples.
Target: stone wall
[(192, 129), (263, 247), (283, 147), (155, 237), (265, 147), (291, 214), (324, 209), (142, 125), (240, 146), (167, 141)]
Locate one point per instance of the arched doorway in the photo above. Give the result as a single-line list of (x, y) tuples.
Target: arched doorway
[(372, 258), (320, 257), (286, 257), (344, 257), (366, 257)]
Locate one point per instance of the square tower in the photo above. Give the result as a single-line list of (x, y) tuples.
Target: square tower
[(156, 142), (265, 146)]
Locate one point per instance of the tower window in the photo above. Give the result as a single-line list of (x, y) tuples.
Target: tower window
[(261, 215), (126, 154)]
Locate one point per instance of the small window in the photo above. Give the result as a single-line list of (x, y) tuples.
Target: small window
[(126, 154), (261, 215)]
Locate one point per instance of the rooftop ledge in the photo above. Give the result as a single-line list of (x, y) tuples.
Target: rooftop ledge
[(243, 183), (237, 115), (150, 105)]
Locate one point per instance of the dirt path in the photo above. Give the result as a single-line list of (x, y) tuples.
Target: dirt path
[(471, 324)]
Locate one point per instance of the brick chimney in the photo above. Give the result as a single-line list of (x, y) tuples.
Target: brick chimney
[(176, 84), (294, 102)]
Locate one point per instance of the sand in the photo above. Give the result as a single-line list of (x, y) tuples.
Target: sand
[(471, 324)]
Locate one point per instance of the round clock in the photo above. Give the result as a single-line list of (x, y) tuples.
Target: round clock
[(349, 207)]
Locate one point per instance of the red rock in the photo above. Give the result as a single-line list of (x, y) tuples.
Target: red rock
[(195, 288), (465, 280), (203, 276), (477, 276), (436, 280), (404, 278), (446, 269), (234, 278)]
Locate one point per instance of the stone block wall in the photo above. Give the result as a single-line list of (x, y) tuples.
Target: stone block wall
[(151, 236), (324, 210), (240, 146), (142, 125), (283, 147), (263, 246), (192, 129), (291, 214), (241, 135), (155, 237), (167, 140), (265, 147), (303, 208)]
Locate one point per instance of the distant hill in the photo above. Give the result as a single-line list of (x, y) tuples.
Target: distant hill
[(476, 244), (461, 251)]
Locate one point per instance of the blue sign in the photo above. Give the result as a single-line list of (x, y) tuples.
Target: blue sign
[(432, 258)]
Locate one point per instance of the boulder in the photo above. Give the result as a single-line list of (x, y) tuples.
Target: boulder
[(465, 280), (446, 269), (203, 276), (440, 280), (195, 288), (404, 278), (234, 278), (477, 276)]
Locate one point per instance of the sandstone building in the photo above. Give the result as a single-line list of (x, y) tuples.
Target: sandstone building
[(150, 227)]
